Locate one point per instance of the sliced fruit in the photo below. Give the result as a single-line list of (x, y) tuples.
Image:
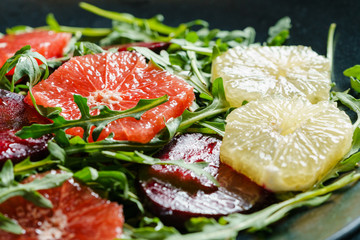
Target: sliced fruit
[(14, 114), (286, 144), (250, 73), (48, 43), (175, 194), (78, 213), (119, 81)]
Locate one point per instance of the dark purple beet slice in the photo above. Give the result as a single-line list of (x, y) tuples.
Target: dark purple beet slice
[(175, 194), (14, 114)]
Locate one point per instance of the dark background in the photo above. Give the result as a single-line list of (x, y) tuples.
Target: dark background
[(310, 21)]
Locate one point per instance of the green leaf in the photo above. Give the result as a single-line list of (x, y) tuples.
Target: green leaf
[(86, 174), (152, 228), (56, 151), (152, 23), (8, 225), (7, 174), (279, 33), (86, 48), (87, 121), (26, 166), (38, 199), (137, 157), (51, 21), (353, 72), (218, 106)]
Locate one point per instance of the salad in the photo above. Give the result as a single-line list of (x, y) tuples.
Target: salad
[(108, 163)]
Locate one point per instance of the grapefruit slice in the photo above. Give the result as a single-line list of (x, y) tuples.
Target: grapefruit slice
[(48, 43), (78, 213), (117, 80), (14, 114)]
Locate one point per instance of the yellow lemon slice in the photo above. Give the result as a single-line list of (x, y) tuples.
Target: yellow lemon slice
[(250, 73), (286, 144)]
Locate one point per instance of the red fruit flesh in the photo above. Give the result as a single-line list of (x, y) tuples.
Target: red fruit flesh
[(48, 43), (14, 114), (78, 214), (175, 194), (119, 81)]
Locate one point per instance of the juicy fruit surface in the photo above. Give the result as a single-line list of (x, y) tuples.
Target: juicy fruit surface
[(14, 114), (47, 43), (119, 81), (250, 73), (78, 213), (286, 144), (175, 194)]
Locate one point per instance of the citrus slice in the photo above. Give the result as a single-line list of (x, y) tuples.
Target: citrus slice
[(48, 43), (250, 73), (78, 213), (119, 81), (286, 144)]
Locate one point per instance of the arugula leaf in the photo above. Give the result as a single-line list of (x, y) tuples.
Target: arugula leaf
[(279, 33), (87, 121), (11, 226), (27, 167), (85, 48), (137, 157), (354, 74), (218, 106), (152, 23), (148, 231), (90, 32), (24, 61)]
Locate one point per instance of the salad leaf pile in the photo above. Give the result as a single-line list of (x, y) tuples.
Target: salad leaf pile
[(109, 166)]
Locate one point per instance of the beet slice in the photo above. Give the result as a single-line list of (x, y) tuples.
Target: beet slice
[(175, 194), (14, 114)]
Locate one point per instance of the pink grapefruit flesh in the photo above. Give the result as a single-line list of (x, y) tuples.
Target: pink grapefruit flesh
[(117, 80)]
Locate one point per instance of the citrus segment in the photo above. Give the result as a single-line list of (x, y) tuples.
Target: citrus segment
[(286, 144), (119, 81), (48, 43), (78, 213), (250, 73)]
